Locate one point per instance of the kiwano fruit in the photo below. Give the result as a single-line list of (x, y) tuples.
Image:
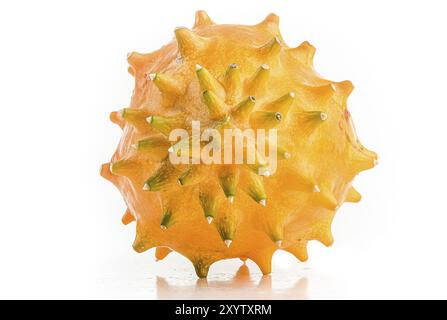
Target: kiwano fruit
[(234, 76)]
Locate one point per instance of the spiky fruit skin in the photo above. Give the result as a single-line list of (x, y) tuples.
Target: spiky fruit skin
[(310, 184)]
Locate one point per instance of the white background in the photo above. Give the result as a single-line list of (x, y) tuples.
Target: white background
[(63, 69)]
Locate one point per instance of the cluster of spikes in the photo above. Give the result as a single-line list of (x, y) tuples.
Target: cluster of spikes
[(239, 77)]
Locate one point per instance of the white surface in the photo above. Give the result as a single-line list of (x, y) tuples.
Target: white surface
[(63, 69)]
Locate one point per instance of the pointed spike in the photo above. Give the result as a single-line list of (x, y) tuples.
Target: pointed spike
[(139, 244), (208, 82), (208, 202), (216, 107), (127, 217), (135, 117), (316, 189), (226, 223), (161, 253), (166, 220), (189, 43), (253, 185), (282, 153), (202, 19), (163, 176), (229, 179), (230, 199), (125, 167), (209, 219), (165, 124), (167, 85), (258, 83), (304, 53), (243, 109), (308, 121), (155, 147), (271, 48), (265, 119), (228, 242), (192, 175), (281, 104), (278, 243), (116, 118), (232, 83), (353, 195)]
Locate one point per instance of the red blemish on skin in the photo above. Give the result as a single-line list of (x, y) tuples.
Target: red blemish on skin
[(347, 115)]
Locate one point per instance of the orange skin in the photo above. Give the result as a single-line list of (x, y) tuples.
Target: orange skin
[(328, 155)]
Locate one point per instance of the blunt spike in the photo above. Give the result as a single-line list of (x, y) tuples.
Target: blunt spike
[(271, 48), (353, 195), (360, 160), (135, 117), (281, 104), (161, 178), (345, 88), (326, 199), (271, 23), (229, 179), (208, 82), (278, 243), (116, 118), (168, 86), (131, 71), (304, 53), (139, 60), (189, 43), (263, 259), (202, 19), (127, 217), (216, 107), (265, 119), (244, 108), (326, 237), (232, 83), (161, 253), (258, 83), (299, 250), (165, 124)]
